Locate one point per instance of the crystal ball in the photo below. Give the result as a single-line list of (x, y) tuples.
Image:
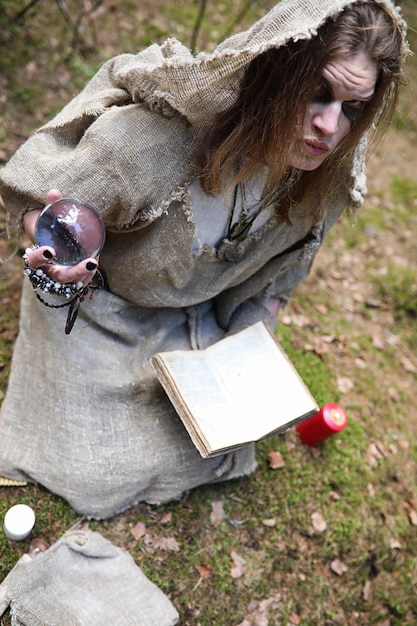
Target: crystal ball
[(73, 228)]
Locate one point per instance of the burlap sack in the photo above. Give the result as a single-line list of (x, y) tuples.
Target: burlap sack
[(83, 580)]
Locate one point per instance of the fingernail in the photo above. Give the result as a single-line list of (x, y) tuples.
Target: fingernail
[(47, 254), (91, 266)]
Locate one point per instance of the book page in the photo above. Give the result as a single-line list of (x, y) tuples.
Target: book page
[(240, 389)]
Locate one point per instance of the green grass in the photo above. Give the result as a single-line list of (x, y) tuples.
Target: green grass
[(399, 288), (404, 191)]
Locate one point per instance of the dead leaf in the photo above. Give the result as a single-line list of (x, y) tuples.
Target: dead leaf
[(217, 515), (403, 443), (297, 320), (411, 513), (393, 394), (38, 546), (269, 522), (392, 448), (295, 619), (318, 522), (275, 460), (149, 540), (138, 531), (321, 349), (378, 340), (370, 489), (408, 365), (360, 363), (239, 565), (166, 518), (338, 567), (375, 453), (204, 569), (389, 520), (366, 591), (168, 543), (381, 449), (328, 338), (260, 612), (344, 384), (372, 303)]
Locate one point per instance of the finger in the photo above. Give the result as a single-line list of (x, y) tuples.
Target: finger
[(41, 257), (53, 195), (83, 272)]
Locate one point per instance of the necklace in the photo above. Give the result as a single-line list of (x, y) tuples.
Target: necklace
[(239, 229)]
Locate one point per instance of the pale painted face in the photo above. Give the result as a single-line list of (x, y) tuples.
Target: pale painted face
[(347, 85)]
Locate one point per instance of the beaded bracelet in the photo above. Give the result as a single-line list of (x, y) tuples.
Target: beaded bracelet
[(41, 281), (74, 293)]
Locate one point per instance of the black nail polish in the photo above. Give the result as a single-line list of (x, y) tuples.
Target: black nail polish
[(91, 266), (47, 254)]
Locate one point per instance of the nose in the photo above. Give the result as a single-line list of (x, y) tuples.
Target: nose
[(326, 117)]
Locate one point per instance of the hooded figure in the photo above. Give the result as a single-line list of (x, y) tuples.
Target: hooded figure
[(211, 214)]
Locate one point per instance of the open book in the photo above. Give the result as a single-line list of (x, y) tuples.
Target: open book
[(241, 389)]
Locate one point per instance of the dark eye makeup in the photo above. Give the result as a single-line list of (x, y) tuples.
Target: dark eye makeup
[(352, 109)]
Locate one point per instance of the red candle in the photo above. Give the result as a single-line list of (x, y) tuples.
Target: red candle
[(329, 420)]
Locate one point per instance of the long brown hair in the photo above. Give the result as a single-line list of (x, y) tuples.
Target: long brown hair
[(276, 89)]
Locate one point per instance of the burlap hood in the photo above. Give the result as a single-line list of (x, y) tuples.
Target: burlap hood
[(198, 87), (169, 76)]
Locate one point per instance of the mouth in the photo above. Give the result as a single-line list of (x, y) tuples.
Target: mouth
[(316, 148)]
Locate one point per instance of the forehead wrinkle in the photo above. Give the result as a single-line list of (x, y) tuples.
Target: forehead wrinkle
[(357, 77)]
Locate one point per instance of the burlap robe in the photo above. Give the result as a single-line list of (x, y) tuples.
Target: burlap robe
[(84, 415)]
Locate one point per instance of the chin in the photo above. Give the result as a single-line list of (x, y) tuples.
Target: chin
[(305, 164)]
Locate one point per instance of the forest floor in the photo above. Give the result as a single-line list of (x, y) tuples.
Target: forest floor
[(330, 536)]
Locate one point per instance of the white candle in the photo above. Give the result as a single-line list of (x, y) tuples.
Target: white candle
[(18, 522)]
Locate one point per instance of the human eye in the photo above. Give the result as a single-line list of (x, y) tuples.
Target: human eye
[(322, 94), (353, 109)]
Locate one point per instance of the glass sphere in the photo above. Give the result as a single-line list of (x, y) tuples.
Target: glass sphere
[(73, 228)]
